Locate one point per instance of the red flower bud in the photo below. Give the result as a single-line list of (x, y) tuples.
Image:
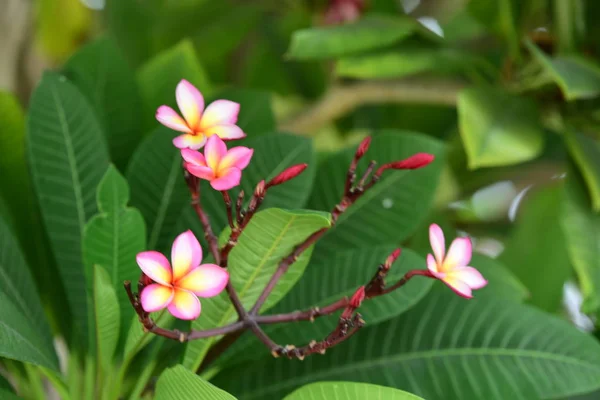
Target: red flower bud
[(259, 191), (363, 147), (392, 258), (145, 279), (419, 160), (358, 297), (288, 174)]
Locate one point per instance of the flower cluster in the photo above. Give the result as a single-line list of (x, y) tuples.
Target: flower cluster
[(178, 285)]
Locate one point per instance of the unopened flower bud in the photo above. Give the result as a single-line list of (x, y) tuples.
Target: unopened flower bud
[(419, 160), (288, 174), (363, 147), (358, 297), (259, 191), (392, 258)]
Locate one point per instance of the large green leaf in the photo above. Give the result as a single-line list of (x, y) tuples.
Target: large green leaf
[(272, 155), (20, 338), (394, 207), (581, 228), (445, 348), (18, 287), (67, 156), (370, 32), (158, 190), (501, 281), (256, 112), (106, 311), (577, 77), (348, 391), (178, 383), (102, 74), (531, 255), (498, 128), (158, 78), (114, 237), (269, 237), (585, 151), (328, 280), (22, 212)]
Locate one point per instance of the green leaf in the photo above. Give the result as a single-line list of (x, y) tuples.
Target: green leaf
[(158, 78), (138, 338), (586, 154), (444, 348), (6, 390), (256, 112), (370, 32), (502, 283), (67, 157), (498, 128), (404, 61), (22, 212), (502, 18), (328, 280), (531, 255), (394, 207), (581, 227), (178, 383), (106, 311), (113, 237), (272, 155), (577, 77), (158, 190), (20, 338), (348, 391), (269, 237), (102, 74), (569, 24), (17, 286)]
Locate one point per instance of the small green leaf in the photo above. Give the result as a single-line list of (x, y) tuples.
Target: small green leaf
[(586, 154), (158, 78), (158, 190), (498, 128), (581, 227), (394, 207), (370, 32), (328, 280), (269, 237), (577, 77), (444, 348), (102, 74), (348, 391), (531, 255), (113, 237), (106, 311), (67, 156), (178, 383)]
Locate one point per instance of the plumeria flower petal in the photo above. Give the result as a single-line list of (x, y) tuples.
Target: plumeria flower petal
[(221, 167), (155, 297), (185, 305), (155, 266), (207, 280), (198, 123), (177, 288), (186, 254), (452, 267)]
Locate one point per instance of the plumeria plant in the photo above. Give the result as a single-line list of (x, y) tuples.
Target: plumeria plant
[(299, 200), (177, 287)]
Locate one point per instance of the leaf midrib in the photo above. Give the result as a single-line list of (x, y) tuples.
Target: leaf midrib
[(347, 368)]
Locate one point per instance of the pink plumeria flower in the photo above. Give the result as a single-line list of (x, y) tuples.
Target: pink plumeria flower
[(452, 268), (222, 168), (178, 287), (198, 124)]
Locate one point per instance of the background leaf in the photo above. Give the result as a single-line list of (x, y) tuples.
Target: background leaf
[(581, 227), (370, 32), (445, 347), (158, 190), (103, 76), (113, 237), (269, 237), (585, 151), (348, 391), (180, 384), (106, 311), (392, 209), (67, 156), (502, 283), (256, 112), (498, 128)]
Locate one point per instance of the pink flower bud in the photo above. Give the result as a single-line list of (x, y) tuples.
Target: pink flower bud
[(287, 175), (419, 160), (392, 258), (358, 297), (259, 191), (363, 147)]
